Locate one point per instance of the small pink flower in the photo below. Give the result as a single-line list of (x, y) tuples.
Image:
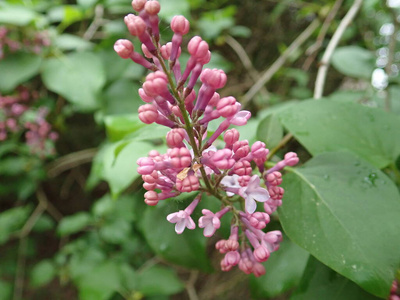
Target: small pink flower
[(222, 159), (187, 185), (231, 136), (182, 218), (274, 178), (180, 157), (210, 221), (252, 193)]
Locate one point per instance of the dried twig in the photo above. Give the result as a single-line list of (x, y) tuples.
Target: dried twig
[(190, 285), (324, 64), (97, 22), (312, 51), (244, 58), (280, 61)]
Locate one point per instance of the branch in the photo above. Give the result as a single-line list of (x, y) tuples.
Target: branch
[(190, 285), (312, 50), (391, 54), (280, 61), (324, 64), (97, 22), (70, 161), (241, 53)]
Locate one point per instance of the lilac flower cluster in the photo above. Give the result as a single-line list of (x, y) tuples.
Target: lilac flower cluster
[(13, 122), (394, 291), (10, 40), (232, 174)]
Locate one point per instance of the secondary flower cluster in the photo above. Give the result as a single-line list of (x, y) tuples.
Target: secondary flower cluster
[(11, 41), (17, 117), (234, 173)]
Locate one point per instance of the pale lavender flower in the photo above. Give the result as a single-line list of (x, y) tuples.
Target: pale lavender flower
[(252, 193), (183, 219)]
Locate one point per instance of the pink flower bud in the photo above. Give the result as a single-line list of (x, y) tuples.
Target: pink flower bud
[(214, 99), (222, 159), (166, 51), (291, 159), (241, 149), (187, 185), (245, 263), (232, 258), (175, 138), (149, 186), (231, 136), (146, 52), (244, 180), (124, 48), (276, 192), (152, 7), (180, 157), (259, 220), (213, 77), (242, 168), (144, 96), (138, 5), (136, 25), (156, 84), (261, 254), (258, 150), (151, 178), (148, 113), (274, 178), (258, 270), (180, 25), (151, 198), (146, 166), (226, 107), (198, 48)]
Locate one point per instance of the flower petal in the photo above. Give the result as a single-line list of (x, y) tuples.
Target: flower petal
[(250, 205)]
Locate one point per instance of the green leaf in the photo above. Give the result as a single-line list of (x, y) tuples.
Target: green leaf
[(284, 271), (270, 131), (323, 126), (346, 213), (122, 97), (71, 42), (320, 282), (20, 67), (172, 8), (42, 273), (120, 171), (5, 290), (100, 283), (116, 231), (119, 126), (16, 15), (79, 77), (44, 223), (354, 61), (73, 224), (159, 280), (187, 249), (12, 220)]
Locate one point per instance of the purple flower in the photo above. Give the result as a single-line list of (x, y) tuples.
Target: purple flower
[(252, 193), (210, 221), (182, 218)]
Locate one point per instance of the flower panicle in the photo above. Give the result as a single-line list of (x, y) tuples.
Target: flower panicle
[(220, 163)]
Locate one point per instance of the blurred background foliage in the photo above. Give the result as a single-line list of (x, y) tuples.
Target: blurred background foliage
[(73, 223)]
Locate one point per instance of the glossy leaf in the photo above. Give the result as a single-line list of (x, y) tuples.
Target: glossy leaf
[(42, 273), (159, 280), (270, 131), (321, 282), (346, 213), (78, 77), (323, 126), (72, 224), (354, 61), (119, 168), (284, 271), (17, 68), (13, 220), (120, 126)]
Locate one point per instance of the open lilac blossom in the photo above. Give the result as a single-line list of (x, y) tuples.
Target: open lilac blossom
[(252, 193), (197, 161)]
